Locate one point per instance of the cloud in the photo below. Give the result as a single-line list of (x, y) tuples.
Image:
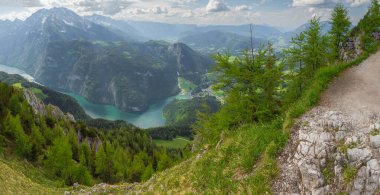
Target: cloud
[(216, 6), (22, 3), (356, 3), (108, 7), (311, 2), (322, 3), (243, 8)]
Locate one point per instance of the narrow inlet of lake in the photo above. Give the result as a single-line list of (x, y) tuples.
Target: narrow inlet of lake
[(153, 117)]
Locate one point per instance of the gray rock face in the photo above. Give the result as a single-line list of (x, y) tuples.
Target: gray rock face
[(328, 154), (351, 49), (40, 108)]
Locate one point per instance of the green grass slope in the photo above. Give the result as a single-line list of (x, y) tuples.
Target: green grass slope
[(21, 178)]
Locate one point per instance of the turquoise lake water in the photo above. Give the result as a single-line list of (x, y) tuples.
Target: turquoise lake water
[(153, 117)]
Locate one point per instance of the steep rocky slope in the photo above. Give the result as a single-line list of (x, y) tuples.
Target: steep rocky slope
[(127, 75), (335, 147)]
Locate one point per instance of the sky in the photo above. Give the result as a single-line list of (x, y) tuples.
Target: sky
[(284, 14)]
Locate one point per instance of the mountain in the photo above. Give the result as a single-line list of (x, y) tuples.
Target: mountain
[(25, 46), (158, 31), (161, 31), (258, 31), (120, 27), (212, 42), (67, 52), (142, 30), (7, 26), (127, 75), (325, 27)]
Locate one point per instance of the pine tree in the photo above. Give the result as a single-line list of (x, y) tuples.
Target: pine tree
[(137, 168), (100, 161), (85, 151), (374, 12), (315, 47), (22, 142), (148, 172), (120, 163), (59, 160), (38, 141), (74, 142), (251, 85), (271, 81), (294, 61), (340, 23), (82, 174)]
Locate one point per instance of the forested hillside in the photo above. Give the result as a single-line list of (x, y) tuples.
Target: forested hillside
[(74, 152)]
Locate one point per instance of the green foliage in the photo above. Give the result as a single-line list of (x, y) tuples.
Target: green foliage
[(177, 142), (340, 27), (64, 102), (15, 129), (147, 173), (101, 163), (38, 142), (308, 75), (170, 132), (251, 84), (349, 174), (305, 56), (183, 112), (314, 48), (38, 92), (17, 85), (53, 144), (74, 143), (328, 171), (368, 25), (185, 85), (59, 160)]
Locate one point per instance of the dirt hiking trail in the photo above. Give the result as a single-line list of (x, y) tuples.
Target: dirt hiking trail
[(335, 147)]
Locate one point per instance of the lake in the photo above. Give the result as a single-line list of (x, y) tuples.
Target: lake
[(11, 70), (153, 117)]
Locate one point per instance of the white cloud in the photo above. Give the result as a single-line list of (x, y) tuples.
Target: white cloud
[(310, 2), (355, 3), (216, 6), (22, 15), (243, 8), (22, 3), (352, 3)]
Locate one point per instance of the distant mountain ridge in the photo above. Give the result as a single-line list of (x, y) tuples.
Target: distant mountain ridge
[(215, 41), (106, 60), (24, 47), (65, 51)]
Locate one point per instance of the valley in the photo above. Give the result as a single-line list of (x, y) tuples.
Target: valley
[(96, 100), (153, 117)]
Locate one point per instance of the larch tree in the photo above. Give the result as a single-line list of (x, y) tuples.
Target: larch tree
[(340, 26)]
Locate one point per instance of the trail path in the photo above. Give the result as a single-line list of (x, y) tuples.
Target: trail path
[(356, 91), (335, 146)]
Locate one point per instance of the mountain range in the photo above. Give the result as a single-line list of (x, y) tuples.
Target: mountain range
[(114, 62)]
